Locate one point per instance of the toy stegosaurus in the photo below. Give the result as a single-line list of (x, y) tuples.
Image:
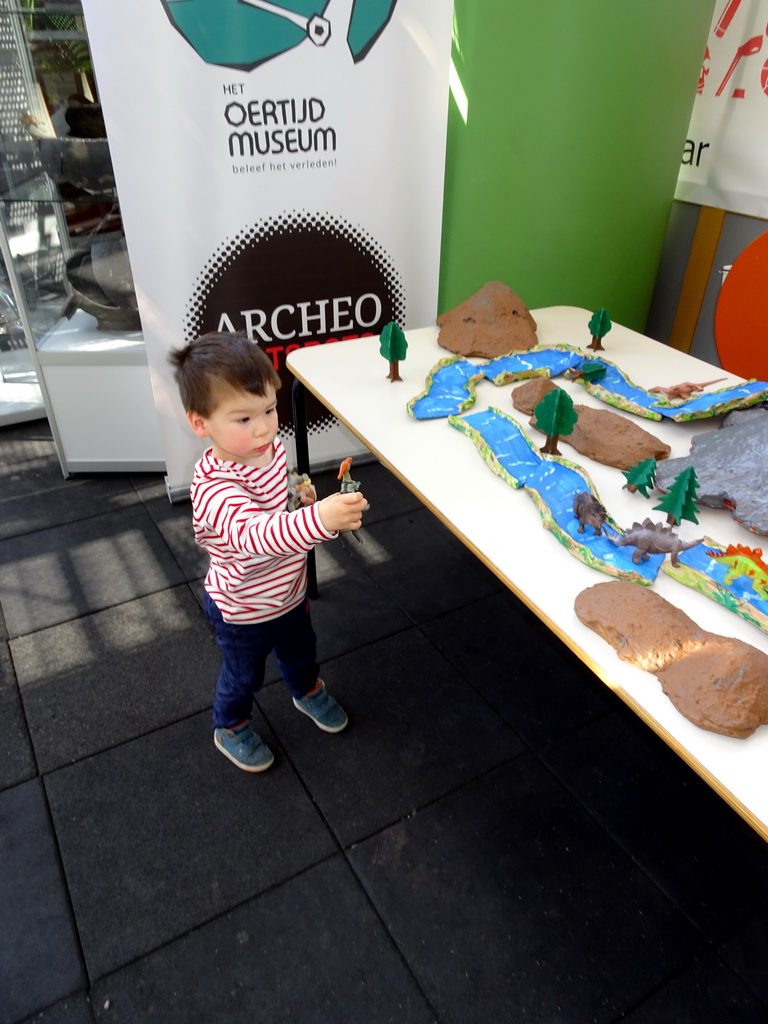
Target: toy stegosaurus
[(744, 561)]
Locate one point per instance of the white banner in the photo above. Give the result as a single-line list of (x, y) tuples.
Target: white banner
[(725, 159), (280, 171)]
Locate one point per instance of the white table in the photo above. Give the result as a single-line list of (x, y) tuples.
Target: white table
[(502, 527)]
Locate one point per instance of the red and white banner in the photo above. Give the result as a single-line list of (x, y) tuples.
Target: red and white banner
[(725, 159), (280, 171)]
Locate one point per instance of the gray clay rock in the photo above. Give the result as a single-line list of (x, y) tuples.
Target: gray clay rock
[(599, 434), (490, 323), (719, 683), (731, 466)]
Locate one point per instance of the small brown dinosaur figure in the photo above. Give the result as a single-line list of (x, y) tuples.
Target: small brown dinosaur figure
[(684, 391), (588, 510), (651, 538)]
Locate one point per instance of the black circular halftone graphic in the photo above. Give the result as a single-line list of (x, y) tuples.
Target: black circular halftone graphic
[(288, 260)]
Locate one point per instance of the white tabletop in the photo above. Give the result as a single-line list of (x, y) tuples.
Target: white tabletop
[(502, 526)]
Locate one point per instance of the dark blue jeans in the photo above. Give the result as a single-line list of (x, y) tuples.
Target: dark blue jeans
[(244, 649)]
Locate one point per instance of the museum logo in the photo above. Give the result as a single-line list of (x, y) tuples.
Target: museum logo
[(348, 288), (244, 34)]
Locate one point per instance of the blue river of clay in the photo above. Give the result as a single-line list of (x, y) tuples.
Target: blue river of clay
[(450, 389), (557, 484)]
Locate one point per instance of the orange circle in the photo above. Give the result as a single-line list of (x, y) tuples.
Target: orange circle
[(741, 314)]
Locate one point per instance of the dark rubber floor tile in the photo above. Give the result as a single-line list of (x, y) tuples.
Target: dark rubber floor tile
[(310, 950), (39, 957), (745, 951), (76, 1009), (670, 821), (422, 566), (350, 610), (175, 524), (58, 574), (416, 731), (706, 993), (521, 668), (386, 494), (21, 443), (36, 496), (17, 762), (163, 833), (97, 681), (511, 904)]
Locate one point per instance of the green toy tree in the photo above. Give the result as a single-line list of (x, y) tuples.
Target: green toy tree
[(593, 370), (599, 326), (641, 476), (678, 502), (589, 370), (555, 416), (393, 347)]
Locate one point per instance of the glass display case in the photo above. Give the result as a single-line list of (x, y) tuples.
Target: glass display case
[(20, 395), (68, 277)]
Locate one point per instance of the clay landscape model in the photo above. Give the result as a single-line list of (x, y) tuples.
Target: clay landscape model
[(450, 386), (553, 483), (718, 683)]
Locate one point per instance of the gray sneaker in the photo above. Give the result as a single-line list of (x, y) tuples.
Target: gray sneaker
[(244, 747), (323, 710)]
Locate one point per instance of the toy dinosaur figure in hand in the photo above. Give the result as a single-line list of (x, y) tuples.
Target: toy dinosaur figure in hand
[(744, 561), (651, 538), (349, 486), (684, 391), (301, 490)]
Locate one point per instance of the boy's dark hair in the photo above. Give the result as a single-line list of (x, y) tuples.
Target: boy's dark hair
[(217, 360)]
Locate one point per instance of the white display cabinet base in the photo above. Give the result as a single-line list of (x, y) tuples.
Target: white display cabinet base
[(101, 406)]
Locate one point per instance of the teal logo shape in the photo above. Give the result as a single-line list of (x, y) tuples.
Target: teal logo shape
[(243, 34)]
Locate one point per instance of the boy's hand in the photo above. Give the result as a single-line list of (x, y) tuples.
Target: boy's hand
[(342, 511), (307, 494)]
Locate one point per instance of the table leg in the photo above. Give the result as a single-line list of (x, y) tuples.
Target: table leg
[(298, 401)]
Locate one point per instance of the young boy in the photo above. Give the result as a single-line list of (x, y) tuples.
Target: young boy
[(256, 585)]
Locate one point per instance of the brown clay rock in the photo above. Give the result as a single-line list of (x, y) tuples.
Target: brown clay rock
[(638, 623), (612, 439), (722, 687), (490, 323), (599, 434), (718, 683), (526, 397)]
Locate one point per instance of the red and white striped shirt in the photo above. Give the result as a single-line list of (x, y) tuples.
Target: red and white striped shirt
[(258, 549)]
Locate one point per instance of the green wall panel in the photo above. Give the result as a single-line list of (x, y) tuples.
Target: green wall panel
[(560, 180)]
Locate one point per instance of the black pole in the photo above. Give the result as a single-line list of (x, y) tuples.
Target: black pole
[(298, 401)]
